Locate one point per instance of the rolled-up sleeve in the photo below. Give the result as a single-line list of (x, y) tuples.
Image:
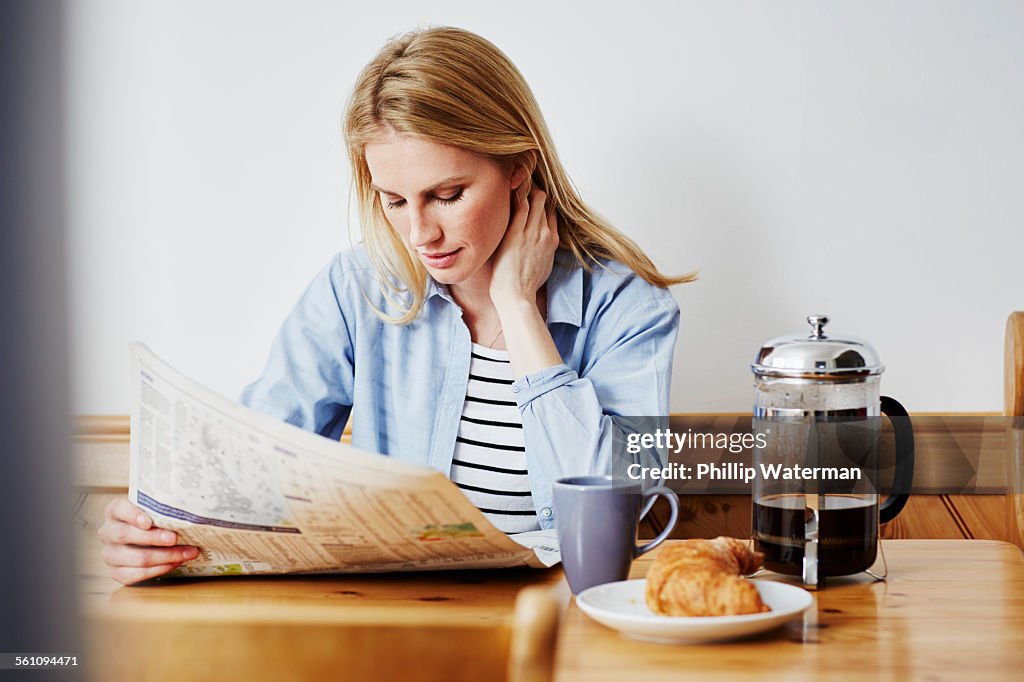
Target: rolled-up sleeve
[(309, 375), (572, 420)]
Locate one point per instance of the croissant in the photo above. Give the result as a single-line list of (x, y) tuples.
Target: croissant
[(702, 578)]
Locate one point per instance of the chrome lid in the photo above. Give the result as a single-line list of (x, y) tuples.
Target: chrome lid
[(818, 356)]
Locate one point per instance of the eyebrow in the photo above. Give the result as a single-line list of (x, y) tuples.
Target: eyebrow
[(446, 181)]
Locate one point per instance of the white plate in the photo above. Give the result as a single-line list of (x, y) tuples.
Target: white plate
[(621, 606)]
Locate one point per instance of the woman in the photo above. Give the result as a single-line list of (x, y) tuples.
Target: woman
[(490, 325)]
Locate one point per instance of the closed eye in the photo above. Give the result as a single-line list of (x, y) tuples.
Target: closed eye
[(451, 199), (445, 200)]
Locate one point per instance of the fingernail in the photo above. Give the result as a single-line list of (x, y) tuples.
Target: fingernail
[(167, 537), (142, 520), (191, 553)]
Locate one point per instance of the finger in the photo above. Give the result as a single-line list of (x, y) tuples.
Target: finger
[(141, 557), (537, 196), (127, 575), (536, 216), (521, 195), (120, 533), (123, 510), (553, 224), (521, 209), (523, 190)]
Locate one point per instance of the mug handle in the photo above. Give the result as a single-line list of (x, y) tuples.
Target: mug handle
[(673, 502), (903, 477)]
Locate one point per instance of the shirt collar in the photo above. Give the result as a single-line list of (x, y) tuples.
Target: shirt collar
[(436, 289), (565, 290)]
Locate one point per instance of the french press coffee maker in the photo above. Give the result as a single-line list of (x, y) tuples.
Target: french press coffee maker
[(817, 413)]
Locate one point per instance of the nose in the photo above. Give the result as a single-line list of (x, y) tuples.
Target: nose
[(423, 228)]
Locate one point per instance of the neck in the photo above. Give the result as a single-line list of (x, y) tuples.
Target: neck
[(474, 294), (479, 313)]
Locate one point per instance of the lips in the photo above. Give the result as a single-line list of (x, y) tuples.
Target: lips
[(440, 259)]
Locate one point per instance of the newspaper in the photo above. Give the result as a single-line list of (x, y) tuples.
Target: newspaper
[(257, 495)]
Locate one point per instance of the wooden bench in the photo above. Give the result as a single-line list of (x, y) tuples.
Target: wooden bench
[(101, 474)]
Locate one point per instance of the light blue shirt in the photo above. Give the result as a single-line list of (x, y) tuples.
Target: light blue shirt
[(405, 385)]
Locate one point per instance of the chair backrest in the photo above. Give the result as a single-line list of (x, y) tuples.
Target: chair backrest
[(1014, 408), (534, 636), (148, 632), (1014, 365)]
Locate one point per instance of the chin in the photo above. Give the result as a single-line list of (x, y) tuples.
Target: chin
[(457, 274), (447, 276)]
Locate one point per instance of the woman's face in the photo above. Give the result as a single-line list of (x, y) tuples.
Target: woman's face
[(450, 206)]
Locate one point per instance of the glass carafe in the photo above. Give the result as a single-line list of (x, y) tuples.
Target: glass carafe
[(817, 413)]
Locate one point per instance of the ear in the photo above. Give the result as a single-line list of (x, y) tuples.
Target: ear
[(519, 174), (522, 168)]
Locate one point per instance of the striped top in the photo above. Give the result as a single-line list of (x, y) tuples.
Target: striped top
[(490, 456)]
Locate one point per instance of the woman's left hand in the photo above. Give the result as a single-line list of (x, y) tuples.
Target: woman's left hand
[(525, 256)]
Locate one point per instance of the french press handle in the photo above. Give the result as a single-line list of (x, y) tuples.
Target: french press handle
[(903, 477)]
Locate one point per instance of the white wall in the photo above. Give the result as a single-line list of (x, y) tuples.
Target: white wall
[(853, 158)]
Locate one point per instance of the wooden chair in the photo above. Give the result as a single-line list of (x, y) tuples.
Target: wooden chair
[(202, 639), (1014, 408)]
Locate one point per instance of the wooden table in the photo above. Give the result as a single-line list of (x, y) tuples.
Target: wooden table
[(950, 610)]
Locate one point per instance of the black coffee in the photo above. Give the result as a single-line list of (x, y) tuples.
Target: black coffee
[(847, 534)]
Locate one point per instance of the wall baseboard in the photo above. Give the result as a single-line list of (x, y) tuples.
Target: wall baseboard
[(101, 447)]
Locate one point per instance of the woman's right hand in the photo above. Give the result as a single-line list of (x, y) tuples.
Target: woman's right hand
[(135, 549)]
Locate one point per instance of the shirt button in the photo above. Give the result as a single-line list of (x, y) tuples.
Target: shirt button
[(515, 389), (545, 512)]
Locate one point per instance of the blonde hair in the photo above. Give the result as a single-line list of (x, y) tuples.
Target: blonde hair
[(453, 87)]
